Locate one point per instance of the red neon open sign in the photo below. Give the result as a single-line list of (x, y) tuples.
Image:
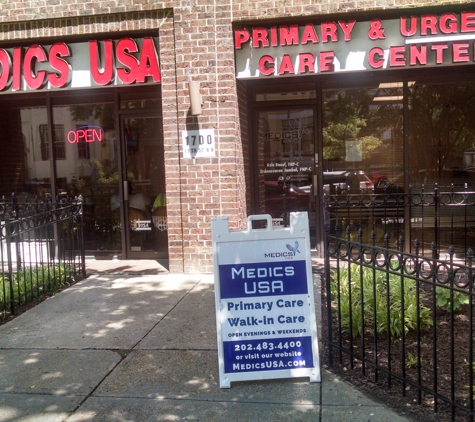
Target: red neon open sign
[(85, 134)]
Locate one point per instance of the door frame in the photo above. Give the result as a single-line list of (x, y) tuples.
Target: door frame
[(315, 195)]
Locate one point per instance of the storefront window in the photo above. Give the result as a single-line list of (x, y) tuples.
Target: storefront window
[(90, 169), (442, 145), (37, 169), (442, 135), (363, 151), (148, 100), (363, 139), (286, 92)]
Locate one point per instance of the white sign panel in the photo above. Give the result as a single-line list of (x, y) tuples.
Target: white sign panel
[(142, 225), (265, 311), (198, 143)]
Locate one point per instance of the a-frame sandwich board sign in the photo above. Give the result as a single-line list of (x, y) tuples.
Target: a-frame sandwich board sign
[(265, 309)]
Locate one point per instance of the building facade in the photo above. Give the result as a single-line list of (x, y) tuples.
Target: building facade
[(99, 99)]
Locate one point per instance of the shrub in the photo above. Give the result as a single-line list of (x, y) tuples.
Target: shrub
[(369, 300), (445, 299), (32, 283)]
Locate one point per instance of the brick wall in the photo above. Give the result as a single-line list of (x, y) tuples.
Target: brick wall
[(196, 42)]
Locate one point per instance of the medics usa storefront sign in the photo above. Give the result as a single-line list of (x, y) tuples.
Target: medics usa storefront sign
[(265, 312)]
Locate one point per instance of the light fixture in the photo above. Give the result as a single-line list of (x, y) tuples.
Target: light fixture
[(195, 97), (385, 85), (389, 98)]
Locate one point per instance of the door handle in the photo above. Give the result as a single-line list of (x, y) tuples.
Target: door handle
[(126, 190)]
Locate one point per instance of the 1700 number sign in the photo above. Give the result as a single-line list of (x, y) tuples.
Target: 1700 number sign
[(198, 143), (191, 140)]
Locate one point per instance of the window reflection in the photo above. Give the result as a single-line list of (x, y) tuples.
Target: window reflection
[(34, 129), (441, 141), (442, 135), (363, 138)]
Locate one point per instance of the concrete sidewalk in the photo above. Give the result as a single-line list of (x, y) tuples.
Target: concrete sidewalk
[(118, 347)]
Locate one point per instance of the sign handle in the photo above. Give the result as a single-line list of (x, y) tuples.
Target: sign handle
[(260, 217)]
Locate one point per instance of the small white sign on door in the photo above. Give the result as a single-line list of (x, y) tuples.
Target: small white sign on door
[(198, 143)]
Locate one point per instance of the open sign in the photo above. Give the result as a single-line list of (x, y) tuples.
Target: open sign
[(86, 134)]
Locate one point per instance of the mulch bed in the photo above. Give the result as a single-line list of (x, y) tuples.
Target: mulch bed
[(406, 398)]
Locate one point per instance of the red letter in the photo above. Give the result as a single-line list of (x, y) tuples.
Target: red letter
[(125, 47), (396, 56), (107, 75), (72, 137), (17, 57), (468, 23), (448, 23), (97, 134), (428, 24), (347, 28), (241, 36), (89, 135), (6, 63), (34, 54), (439, 52), (273, 36), (329, 32), (286, 65), (416, 55), (266, 65), (376, 62), (148, 65), (61, 78), (460, 53), (403, 26), (326, 61), (290, 35), (259, 35), (306, 63), (309, 34)]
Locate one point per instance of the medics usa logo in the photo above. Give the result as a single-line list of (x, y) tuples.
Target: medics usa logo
[(292, 251)]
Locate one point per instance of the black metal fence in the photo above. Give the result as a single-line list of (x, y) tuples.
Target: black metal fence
[(41, 249), (444, 216), (403, 320)]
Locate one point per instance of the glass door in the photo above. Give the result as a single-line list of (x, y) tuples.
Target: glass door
[(143, 175), (286, 163)]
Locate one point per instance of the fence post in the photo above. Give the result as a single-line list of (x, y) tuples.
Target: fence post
[(81, 235), (386, 240), (9, 262), (436, 216), (16, 216), (329, 301), (433, 248), (452, 284), (470, 333), (400, 243)]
